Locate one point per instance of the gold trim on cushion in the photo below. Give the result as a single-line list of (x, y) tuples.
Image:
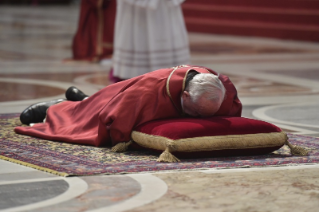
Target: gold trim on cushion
[(167, 156), (211, 143), (121, 147), (296, 150), (151, 141)]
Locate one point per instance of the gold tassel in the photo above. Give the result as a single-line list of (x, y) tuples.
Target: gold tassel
[(167, 156), (121, 147), (296, 150)]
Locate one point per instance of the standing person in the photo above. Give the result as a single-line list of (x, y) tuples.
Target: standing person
[(93, 40), (149, 35)]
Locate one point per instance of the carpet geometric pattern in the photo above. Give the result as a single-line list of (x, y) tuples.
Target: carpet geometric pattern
[(70, 159)]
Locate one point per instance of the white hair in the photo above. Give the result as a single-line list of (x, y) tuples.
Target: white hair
[(206, 84)]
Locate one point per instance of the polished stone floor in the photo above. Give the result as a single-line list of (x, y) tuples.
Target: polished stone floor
[(277, 81)]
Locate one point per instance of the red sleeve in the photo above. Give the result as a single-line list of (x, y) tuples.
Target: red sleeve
[(231, 105), (134, 107)]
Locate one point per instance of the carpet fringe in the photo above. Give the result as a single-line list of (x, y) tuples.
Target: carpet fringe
[(34, 166)]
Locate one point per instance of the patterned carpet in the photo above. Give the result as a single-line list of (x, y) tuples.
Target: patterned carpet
[(68, 159)]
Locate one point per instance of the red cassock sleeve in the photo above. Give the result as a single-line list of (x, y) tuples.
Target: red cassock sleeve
[(231, 105), (137, 105)]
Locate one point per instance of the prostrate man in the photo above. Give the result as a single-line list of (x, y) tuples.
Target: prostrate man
[(109, 116)]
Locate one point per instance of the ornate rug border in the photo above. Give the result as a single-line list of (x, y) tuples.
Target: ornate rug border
[(141, 166), (62, 174), (34, 166)]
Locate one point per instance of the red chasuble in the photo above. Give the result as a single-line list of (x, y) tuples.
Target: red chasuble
[(109, 116), (93, 40)]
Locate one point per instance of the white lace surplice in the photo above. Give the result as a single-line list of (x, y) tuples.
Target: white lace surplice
[(149, 35)]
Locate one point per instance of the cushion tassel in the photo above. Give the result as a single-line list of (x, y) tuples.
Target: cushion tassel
[(121, 147), (167, 157), (296, 150)]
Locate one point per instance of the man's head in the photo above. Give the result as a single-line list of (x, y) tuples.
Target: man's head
[(203, 95)]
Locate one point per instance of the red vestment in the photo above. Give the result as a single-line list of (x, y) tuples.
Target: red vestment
[(109, 116), (93, 40)]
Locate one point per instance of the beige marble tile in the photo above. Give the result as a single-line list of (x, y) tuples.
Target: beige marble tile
[(257, 87), (282, 190), (213, 47), (101, 192)]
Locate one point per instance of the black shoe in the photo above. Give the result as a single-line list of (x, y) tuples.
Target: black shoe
[(36, 113), (74, 94)]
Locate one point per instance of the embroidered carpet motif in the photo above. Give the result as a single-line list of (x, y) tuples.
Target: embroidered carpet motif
[(70, 159)]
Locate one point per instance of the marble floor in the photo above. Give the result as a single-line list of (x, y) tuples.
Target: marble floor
[(277, 81)]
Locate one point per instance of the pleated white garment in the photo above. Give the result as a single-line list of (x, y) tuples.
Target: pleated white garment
[(149, 35)]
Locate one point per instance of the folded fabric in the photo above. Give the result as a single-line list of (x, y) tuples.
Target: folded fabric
[(210, 137)]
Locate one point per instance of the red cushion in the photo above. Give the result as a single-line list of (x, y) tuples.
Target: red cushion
[(222, 128)]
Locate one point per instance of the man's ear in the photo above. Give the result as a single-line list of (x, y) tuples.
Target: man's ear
[(186, 94)]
